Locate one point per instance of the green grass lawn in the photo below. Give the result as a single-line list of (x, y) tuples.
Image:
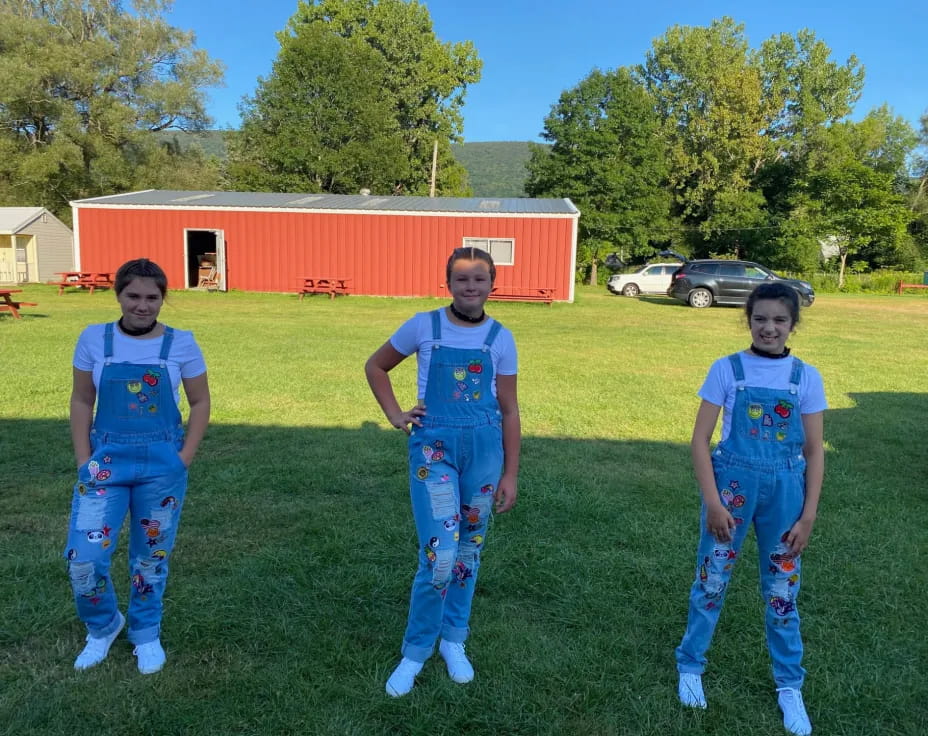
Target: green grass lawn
[(290, 579)]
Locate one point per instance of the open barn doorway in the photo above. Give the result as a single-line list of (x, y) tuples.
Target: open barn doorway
[(205, 258)]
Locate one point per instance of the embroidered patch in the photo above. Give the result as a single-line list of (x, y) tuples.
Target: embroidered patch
[(755, 411), (783, 408), (422, 472), (134, 387)]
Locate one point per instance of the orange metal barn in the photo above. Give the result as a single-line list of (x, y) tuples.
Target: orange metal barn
[(386, 246)]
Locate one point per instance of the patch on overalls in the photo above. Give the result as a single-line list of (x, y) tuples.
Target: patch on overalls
[(768, 421), (104, 474), (95, 536), (90, 513), (782, 606), (438, 455), (441, 499), (93, 467), (780, 436), (755, 411), (471, 513), (783, 408), (133, 387), (475, 366), (159, 554), (459, 374), (422, 472), (151, 377), (462, 572), (451, 524), (488, 488)]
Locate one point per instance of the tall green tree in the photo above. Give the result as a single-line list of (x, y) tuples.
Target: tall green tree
[(83, 84), (607, 156), (321, 122), (709, 94), (420, 79), (856, 204)]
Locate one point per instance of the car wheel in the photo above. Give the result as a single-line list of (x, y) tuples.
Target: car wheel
[(700, 298), (630, 290)]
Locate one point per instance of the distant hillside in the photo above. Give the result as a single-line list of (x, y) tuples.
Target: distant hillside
[(212, 142), (495, 169)]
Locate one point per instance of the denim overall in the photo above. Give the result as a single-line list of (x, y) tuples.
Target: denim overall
[(134, 466), (455, 462), (760, 474)]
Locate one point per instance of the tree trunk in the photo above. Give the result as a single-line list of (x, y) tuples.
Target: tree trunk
[(593, 275), (843, 253)]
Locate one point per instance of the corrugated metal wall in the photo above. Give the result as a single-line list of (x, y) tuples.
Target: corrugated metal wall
[(385, 255)]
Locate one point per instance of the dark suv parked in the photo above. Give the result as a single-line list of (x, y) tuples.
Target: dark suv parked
[(703, 283)]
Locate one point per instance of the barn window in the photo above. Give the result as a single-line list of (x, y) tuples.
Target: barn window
[(502, 250)]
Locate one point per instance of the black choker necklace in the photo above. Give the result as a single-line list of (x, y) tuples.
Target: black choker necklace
[(464, 318), (139, 332), (760, 353)]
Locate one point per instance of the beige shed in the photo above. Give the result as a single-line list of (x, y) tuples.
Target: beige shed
[(34, 245)]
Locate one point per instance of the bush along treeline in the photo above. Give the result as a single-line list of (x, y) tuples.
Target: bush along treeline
[(716, 149)]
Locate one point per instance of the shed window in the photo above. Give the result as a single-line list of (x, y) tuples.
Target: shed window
[(502, 250)]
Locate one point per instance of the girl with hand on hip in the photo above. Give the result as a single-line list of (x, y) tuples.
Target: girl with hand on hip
[(464, 439), (766, 470), (132, 456)]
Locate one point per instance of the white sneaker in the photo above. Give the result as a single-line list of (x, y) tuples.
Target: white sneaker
[(459, 666), (151, 657), (795, 718), (403, 677), (689, 690), (96, 649)]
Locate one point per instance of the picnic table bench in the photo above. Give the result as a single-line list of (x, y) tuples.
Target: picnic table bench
[(85, 279), (8, 304), (516, 294), (902, 285), (319, 285)]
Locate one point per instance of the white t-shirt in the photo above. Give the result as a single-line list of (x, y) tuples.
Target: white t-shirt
[(415, 336), (184, 361), (720, 386)]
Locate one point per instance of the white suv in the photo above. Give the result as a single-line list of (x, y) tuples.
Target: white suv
[(654, 278)]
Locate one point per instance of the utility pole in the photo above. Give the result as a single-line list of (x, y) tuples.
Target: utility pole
[(434, 168)]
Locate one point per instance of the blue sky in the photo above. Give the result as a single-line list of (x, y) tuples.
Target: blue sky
[(533, 50)]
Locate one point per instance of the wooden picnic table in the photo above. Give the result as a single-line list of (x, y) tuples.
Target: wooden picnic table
[(85, 279), (323, 285), (8, 304), (902, 285), (526, 294)]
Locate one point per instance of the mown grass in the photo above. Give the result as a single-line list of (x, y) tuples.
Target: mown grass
[(290, 579)]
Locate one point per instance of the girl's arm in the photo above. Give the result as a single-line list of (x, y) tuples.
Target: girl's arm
[(377, 370), (197, 391), (719, 522), (83, 395), (507, 489), (814, 452)]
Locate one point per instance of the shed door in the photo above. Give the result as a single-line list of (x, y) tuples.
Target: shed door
[(205, 258)]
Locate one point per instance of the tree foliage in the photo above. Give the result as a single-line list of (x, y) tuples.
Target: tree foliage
[(607, 156), (363, 89), (83, 83)]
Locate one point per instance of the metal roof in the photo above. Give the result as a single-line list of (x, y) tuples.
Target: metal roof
[(14, 219), (154, 198)]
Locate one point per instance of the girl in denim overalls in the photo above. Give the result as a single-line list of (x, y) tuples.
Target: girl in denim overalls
[(463, 456), (132, 456), (767, 470)]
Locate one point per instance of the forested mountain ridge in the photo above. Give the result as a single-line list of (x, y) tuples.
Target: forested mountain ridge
[(494, 168)]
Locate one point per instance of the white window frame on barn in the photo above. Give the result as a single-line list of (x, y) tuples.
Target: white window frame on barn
[(496, 247)]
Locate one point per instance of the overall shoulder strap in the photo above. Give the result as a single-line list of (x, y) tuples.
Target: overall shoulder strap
[(166, 341), (737, 367), (436, 325), (795, 376), (108, 340), (491, 335)]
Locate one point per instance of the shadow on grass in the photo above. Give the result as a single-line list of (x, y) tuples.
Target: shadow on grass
[(290, 585)]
